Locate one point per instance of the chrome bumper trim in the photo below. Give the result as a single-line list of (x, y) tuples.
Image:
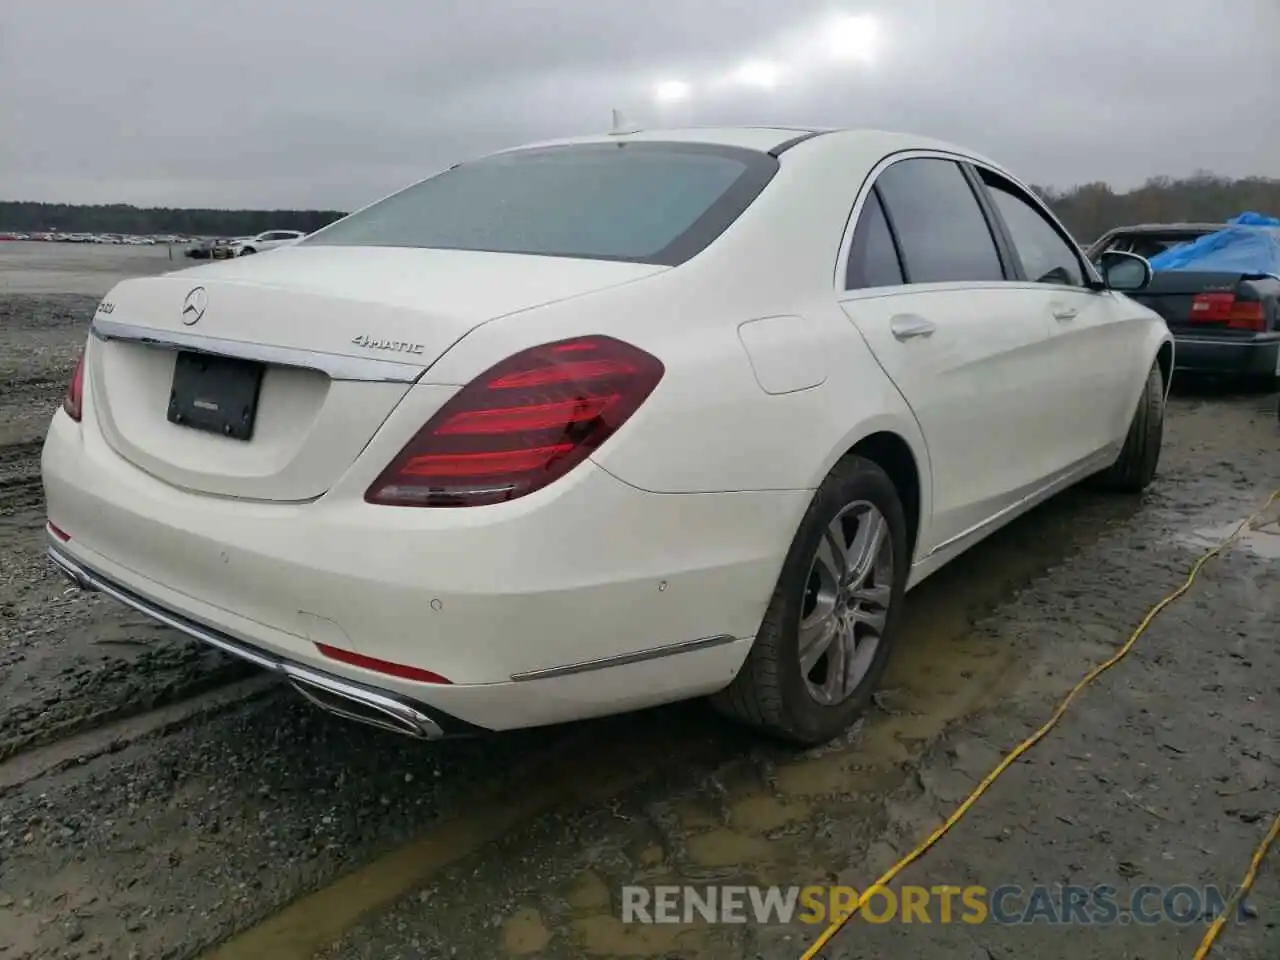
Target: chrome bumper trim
[(362, 704), (604, 663)]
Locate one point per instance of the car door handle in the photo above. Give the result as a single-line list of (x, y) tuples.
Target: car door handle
[(1065, 313), (908, 326)]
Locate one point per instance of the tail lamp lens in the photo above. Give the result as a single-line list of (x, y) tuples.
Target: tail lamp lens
[(1226, 308), (521, 425), (73, 402)]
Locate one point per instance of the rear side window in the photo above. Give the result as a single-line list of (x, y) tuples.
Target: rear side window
[(873, 259), (1047, 256), (657, 203), (942, 232)]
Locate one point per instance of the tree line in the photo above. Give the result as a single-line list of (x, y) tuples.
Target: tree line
[(32, 217), (1088, 210), (1092, 209)]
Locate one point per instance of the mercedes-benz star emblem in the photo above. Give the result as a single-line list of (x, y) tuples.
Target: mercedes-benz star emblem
[(193, 307)]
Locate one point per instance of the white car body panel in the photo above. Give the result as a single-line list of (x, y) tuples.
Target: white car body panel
[(985, 364), (642, 575), (787, 354)]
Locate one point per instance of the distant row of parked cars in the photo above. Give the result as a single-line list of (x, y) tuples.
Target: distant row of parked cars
[(110, 238), (225, 249), (199, 248)]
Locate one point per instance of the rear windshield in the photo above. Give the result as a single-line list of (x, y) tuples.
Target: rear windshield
[(1153, 244), (657, 203)]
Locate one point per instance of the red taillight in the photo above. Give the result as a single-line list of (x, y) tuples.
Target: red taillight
[(59, 532), (1225, 308), (380, 666), (520, 425), (74, 400)]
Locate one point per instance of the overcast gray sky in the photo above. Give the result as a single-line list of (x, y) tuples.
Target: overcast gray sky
[(333, 103)]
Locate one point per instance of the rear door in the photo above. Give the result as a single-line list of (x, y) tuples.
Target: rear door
[(926, 287), (1098, 337)]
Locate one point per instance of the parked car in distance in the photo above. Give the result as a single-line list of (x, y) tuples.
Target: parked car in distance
[(594, 425), (206, 249), (228, 249), (1226, 323), (266, 241)]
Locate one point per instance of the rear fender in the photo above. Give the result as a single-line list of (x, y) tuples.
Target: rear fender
[(902, 424)]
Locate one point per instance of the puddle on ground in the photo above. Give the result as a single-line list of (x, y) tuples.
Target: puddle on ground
[(1261, 537)]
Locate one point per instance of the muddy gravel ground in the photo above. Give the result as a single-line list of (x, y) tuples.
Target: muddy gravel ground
[(67, 661), (159, 802)]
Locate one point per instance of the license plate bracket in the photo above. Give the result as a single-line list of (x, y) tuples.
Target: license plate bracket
[(215, 394)]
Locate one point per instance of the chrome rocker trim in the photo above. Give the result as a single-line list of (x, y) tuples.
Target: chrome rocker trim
[(623, 659)]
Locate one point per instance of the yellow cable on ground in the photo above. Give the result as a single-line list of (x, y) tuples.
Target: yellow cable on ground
[(1251, 874), (1035, 738)]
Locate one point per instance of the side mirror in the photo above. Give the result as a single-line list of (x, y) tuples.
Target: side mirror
[(1124, 271)]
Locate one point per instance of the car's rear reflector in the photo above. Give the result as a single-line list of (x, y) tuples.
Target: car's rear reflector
[(400, 670), (58, 532), (520, 425), (1225, 308)]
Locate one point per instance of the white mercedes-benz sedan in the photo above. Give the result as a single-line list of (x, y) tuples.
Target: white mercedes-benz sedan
[(587, 426)]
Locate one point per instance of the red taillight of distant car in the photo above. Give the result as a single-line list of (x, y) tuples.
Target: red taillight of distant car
[(1226, 308), (521, 425)]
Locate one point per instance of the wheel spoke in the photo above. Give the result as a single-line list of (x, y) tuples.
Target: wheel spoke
[(835, 685), (816, 634), (872, 595), (831, 553), (874, 618), (873, 530)]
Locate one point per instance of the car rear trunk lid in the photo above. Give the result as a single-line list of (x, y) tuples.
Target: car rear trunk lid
[(330, 337)]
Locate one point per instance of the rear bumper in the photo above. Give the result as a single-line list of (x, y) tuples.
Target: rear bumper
[(1255, 357), (350, 700), (589, 598)]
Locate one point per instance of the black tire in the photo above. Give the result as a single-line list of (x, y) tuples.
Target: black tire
[(246, 251), (770, 692), (1135, 468)]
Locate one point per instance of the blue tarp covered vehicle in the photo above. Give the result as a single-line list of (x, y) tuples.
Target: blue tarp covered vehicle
[(1217, 287), (1249, 244)]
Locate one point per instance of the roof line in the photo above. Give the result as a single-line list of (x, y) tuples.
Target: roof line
[(786, 145)]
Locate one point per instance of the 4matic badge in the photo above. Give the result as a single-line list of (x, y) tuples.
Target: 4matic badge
[(399, 346)]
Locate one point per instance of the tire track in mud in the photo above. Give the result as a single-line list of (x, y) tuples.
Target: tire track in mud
[(73, 666), (20, 477), (69, 663)]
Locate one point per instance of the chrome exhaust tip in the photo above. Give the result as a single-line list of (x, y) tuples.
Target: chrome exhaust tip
[(71, 575), (363, 706)]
